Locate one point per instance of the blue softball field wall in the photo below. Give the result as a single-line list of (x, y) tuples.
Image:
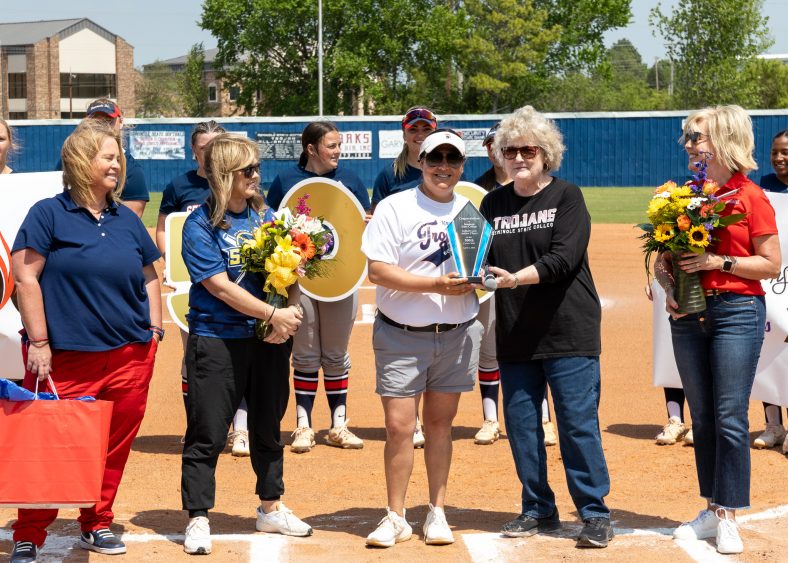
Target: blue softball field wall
[(602, 149)]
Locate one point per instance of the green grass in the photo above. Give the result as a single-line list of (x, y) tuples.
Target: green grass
[(606, 205)]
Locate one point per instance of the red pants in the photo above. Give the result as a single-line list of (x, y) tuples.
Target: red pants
[(121, 376)]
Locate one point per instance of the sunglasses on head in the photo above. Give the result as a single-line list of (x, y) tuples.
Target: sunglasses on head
[(528, 151), (453, 158), (250, 170), (416, 114), (693, 137)]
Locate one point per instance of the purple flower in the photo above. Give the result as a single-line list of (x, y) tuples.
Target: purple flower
[(708, 226)]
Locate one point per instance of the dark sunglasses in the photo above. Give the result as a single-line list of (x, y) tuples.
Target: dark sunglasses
[(250, 170), (435, 158), (528, 151), (694, 137)]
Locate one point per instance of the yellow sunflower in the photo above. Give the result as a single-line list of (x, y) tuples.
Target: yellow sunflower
[(664, 232), (655, 205), (698, 236)]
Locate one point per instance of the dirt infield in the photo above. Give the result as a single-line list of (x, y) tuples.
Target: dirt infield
[(341, 493)]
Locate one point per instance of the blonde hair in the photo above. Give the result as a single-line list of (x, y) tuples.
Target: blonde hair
[(527, 123), (12, 147), (730, 131), (78, 153), (401, 163), (224, 155)]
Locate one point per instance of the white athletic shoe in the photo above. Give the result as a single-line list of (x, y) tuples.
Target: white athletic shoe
[(239, 441), (704, 526), (282, 521), (689, 439), (303, 440), (418, 437), (772, 436), (392, 529), (341, 437), (198, 537), (436, 529), (550, 437), (672, 432), (728, 539), (488, 433)]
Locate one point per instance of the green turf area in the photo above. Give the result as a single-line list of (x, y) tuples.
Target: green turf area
[(607, 205)]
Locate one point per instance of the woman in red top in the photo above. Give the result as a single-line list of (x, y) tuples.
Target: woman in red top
[(717, 350)]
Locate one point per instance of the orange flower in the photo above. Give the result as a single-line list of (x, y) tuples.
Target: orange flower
[(710, 187), (304, 245), (683, 222), (706, 210)]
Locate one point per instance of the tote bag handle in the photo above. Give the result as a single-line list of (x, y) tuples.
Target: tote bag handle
[(51, 384)]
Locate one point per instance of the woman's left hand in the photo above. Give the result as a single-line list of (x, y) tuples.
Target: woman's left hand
[(503, 278), (691, 262)]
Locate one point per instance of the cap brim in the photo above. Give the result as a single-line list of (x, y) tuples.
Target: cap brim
[(413, 122)]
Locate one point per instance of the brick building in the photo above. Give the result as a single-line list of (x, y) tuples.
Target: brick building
[(54, 69)]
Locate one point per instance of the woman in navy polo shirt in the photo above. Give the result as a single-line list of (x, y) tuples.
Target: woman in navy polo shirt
[(323, 341), (90, 303), (225, 361)]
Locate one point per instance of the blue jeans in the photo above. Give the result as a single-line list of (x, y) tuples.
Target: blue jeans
[(717, 352), (575, 386)]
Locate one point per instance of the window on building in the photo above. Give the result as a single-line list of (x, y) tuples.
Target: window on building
[(17, 115), (17, 85), (235, 91), (212, 92), (87, 85)]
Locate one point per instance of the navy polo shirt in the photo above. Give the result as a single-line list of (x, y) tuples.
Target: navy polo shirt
[(771, 183), (386, 183), (290, 177), (208, 251), (92, 283), (186, 192)]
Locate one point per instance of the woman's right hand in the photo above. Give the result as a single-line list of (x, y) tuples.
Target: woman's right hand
[(284, 324), (39, 360)]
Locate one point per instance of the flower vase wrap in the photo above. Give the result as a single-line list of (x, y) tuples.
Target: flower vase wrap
[(261, 327), (689, 292)]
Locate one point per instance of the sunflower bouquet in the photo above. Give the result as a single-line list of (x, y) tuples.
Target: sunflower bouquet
[(292, 246), (683, 219)]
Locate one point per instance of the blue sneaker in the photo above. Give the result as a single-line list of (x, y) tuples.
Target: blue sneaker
[(24, 552), (102, 541)]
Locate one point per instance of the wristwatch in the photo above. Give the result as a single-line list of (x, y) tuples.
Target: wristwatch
[(727, 264)]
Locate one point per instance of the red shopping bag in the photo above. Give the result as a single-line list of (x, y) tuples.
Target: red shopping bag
[(52, 453)]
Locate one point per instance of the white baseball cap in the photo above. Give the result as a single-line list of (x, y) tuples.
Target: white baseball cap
[(442, 137)]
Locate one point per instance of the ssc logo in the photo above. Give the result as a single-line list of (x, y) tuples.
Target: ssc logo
[(6, 280)]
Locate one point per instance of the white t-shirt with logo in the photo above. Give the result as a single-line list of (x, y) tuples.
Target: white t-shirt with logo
[(408, 230)]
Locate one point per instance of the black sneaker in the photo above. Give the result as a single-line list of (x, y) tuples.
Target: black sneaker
[(24, 552), (524, 526), (596, 532), (102, 541)]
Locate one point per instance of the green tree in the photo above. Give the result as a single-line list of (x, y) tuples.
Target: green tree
[(711, 43), (194, 92), (157, 92), (772, 80), (659, 74)]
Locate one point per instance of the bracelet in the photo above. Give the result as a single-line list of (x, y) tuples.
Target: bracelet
[(735, 263), (39, 340), (39, 343), (516, 281), (271, 316), (158, 331)]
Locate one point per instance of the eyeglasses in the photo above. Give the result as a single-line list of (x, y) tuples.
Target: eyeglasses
[(416, 114), (528, 151), (435, 159), (693, 137), (250, 170)]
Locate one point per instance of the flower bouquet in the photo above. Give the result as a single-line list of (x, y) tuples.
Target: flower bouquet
[(291, 246), (685, 219)]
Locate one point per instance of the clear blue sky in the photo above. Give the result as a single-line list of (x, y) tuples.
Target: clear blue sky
[(165, 29)]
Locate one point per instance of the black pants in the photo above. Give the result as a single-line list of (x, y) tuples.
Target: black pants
[(220, 373)]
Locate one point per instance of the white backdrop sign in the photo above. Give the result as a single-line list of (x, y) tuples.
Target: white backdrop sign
[(18, 192), (771, 378)]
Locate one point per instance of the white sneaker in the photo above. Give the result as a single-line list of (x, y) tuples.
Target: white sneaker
[(728, 540), (282, 521), (392, 529), (303, 440), (418, 437), (436, 529), (341, 437), (688, 438), (239, 441), (704, 526), (672, 432), (550, 437), (772, 436), (488, 433), (198, 537)]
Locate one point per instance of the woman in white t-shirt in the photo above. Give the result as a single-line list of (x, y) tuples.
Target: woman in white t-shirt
[(426, 338)]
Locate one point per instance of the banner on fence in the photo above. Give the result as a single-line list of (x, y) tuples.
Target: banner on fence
[(158, 145)]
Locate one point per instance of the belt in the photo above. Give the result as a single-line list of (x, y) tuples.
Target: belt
[(714, 292), (437, 327)]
